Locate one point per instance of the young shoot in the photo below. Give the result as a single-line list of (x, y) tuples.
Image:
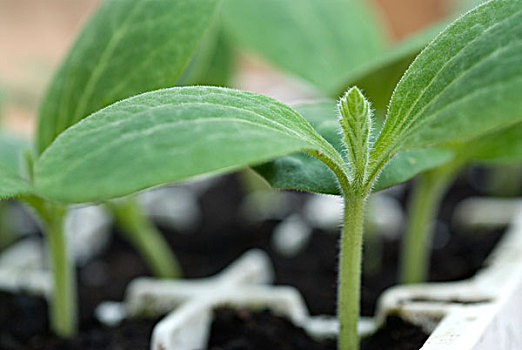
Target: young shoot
[(356, 123)]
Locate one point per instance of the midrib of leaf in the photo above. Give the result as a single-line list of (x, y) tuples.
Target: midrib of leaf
[(150, 109), (159, 126), (102, 63), (62, 117)]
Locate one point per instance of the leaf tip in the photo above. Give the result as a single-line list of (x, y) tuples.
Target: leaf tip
[(353, 102)]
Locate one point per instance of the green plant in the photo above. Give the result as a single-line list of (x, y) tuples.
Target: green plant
[(462, 86), (160, 42), (502, 147), (498, 147), (330, 44), (8, 156), (375, 68)]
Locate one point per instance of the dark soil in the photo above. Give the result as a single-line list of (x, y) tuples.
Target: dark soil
[(243, 329), (23, 326), (259, 330), (223, 236)]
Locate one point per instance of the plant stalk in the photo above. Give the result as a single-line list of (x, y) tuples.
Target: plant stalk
[(63, 306), (145, 237), (348, 294), (423, 205)]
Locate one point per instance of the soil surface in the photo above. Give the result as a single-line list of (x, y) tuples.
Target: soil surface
[(24, 326), (259, 330), (222, 237)]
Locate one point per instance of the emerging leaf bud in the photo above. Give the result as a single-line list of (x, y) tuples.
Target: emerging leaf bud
[(356, 124)]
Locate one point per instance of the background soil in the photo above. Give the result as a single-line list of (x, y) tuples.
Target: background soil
[(222, 236)]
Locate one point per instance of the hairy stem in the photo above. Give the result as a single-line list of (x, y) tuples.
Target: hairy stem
[(145, 237), (348, 294), (428, 191), (63, 307)]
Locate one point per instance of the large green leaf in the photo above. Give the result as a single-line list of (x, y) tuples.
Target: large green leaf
[(11, 148), (303, 172), (212, 64), (11, 181), (169, 135), (322, 42), (12, 185), (407, 164), (504, 146), (467, 82), (128, 47)]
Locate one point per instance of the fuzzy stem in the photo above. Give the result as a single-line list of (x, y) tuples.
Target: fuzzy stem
[(63, 307), (428, 191), (145, 237), (348, 294), (63, 310)]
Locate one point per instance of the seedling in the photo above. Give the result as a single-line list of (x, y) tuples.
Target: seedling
[(462, 86), (502, 147), (154, 41)]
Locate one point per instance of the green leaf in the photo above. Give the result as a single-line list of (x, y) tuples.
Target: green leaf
[(12, 185), (322, 42), (11, 148), (212, 64), (407, 164), (504, 146), (127, 47), (11, 181), (170, 135), (466, 83), (302, 172)]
